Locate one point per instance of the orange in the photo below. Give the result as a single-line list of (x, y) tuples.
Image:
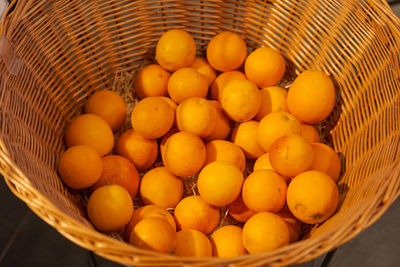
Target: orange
[(226, 51), (186, 83), (193, 212), (119, 170), (219, 183), (312, 197), (309, 132), (265, 67), (142, 152), (239, 211), (263, 163), (227, 242), (110, 208), (155, 234), (148, 211), (221, 150), (292, 223), (222, 80), (202, 67), (272, 99), (80, 166), (275, 125), (91, 130), (193, 243), (223, 125), (311, 98), (265, 232), (164, 140), (291, 155), (240, 100), (245, 136), (109, 105), (197, 116), (175, 49), (152, 117), (326, 160), (161, 188), (170, 102), (264, 190), (184, 154), (152, 80)]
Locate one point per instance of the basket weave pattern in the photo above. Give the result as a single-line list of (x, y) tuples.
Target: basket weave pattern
[(70, 48)]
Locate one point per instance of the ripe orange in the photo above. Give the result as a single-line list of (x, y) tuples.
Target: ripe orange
[(152, 117), (109, 105), (219, 183), (197, 116), (202, 67), (221, 150), (110, 208), (193, 243), (222, 80), (118, 170), (265, 67), (186, 83), (265, 232), (272, 99), (142, 152), (309, 132), (291, 155), (151, 80), (239, 211), (263, 163), (193, 212), (223, 125), (164, 140), (175, 49), (292, 223), (226, 51), (245, 136), (326, 160), (264, 190), (275, 125), (80, 166), (240, 100), (312, 197), (227, 242), (161, 188), (311, 98), (91, 130), (184, 154)]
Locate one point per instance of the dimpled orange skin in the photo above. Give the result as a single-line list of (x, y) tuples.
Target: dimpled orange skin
[(265, 232), (222, 80), (245, 136), (226, 51), (222, 150), (326, 160), (91, 130), (151, 80), (202, 67), (184, 154), (291, 155), (272, 99), (152, 117), (263, 163), (264, 190), (175, 49), (275, 125), (241, 100), (265, 67), (154, 233), (186, 83), (80, 166), (227, 242), (142, 152), (161, 188), (118, 170), (197, 116), (193, 212), (309, 132), (292, 223), (110, 208), (312, 197), (193, 243), (164, 141), (311, 98), (223, 124), (239, 211), (109, 105)]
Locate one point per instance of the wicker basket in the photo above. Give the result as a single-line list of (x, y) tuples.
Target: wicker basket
[(55, 53)]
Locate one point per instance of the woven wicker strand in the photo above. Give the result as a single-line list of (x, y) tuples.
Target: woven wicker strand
[(72, 48)]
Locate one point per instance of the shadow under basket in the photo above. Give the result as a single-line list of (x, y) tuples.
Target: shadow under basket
[(56, 53)]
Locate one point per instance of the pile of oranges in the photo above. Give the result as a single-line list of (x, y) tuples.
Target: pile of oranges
[(196, 125)]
